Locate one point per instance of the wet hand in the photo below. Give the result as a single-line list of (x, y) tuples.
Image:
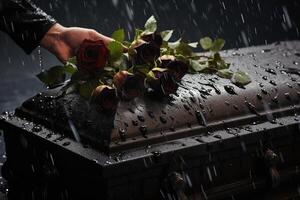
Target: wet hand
[(63, 42)]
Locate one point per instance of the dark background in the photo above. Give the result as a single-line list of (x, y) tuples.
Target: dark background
[(240, 22)]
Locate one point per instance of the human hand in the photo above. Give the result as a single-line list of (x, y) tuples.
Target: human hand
[(63, 42)]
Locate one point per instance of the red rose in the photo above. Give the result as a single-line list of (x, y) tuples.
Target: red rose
[(92, 55), (177, 67), (105, 96), (128, 85), (145, 52), (163, 81)]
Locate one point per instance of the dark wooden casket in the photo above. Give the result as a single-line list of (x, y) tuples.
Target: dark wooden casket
[(211, 140)]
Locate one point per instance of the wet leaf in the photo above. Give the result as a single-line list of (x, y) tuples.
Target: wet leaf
[(138, 33), (174, 45), (206, 43), (72, 60), (159, 69), (166, 35), (115, 50), (240, 78), (225, 73), (69, 88), (217, 45), (184, 49), (119, 35), (219, 62), (70, 68), (52, 76), (126, 43), (86, 89), (144, 69), (151, 75), (150, 25), (193, 44), (197, 66), (109, 69)]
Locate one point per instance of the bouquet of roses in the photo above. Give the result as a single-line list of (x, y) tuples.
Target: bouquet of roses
[(105, 74)]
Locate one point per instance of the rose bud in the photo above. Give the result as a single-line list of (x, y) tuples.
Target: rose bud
[(105, 96), (153, 37), (145, 52), (162, 81), (129, 85), (92, 55), (177, 67)]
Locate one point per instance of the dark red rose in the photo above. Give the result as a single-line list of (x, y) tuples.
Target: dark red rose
[(145, 52), (105, 96), (163, 82), (92, 55), (153, 37), (129, 85), (177, 67)]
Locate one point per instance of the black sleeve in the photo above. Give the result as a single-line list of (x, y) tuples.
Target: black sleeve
[(25, 23)]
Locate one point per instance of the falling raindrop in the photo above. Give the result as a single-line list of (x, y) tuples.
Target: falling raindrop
[(209, 174), (200, 118)]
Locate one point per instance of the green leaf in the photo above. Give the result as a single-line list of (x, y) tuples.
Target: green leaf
[(206, 43), (184, 49), (79, 75), (144, 69), (121, 63), (240, 78), (219, 62), (138, 33), (119, 35), (86, 89), (166, 35), (72, 60), (109, 69), (182, 58), (126, 43), (70, 68), (52, 76), (115, 50), (151, 75), (69, 88), (225, 73), (174, 45), (158, 69), (151, 25), (197, 66), (193, 44), (217, 45)]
